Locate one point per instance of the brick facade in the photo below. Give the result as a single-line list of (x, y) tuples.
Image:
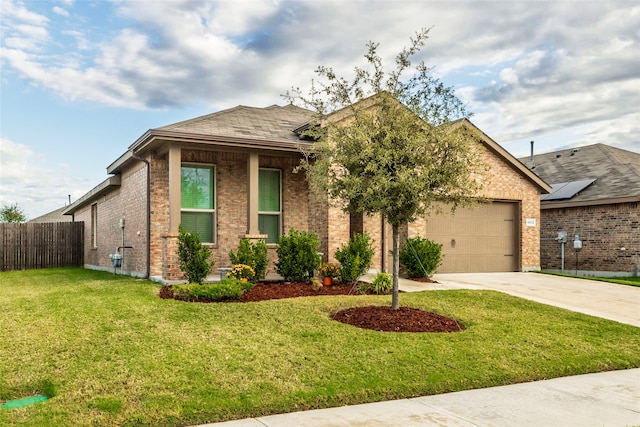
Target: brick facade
[(603, 229), (127, 202), (301, 210)]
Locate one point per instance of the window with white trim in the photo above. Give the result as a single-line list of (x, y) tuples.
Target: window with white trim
[(94, 225), (270, 204), (197, 201)]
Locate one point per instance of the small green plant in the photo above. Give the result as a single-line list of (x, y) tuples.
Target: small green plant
[(421, 256), (253, 255), (355, 257), (380, 285), (298, 255), (242, 271), (227, 289), (329, 270), (194, 257)]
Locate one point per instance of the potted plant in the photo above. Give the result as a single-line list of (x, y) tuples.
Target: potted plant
[(241, 272), (328, 271)]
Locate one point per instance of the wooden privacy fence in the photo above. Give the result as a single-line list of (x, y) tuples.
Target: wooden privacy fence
[(41, 245)]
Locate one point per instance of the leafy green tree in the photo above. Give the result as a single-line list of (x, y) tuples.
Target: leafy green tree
[(388, 144), (12, 213)]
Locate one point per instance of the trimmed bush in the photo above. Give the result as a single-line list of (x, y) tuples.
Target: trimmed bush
[(298, 255), (421, 257), (355, 257), (252, 254), (194, 257), (227, 289)]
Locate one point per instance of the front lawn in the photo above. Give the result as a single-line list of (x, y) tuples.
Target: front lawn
[(113, 353)]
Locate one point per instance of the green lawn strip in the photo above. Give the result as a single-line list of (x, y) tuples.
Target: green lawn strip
[(624, 280), (119, 355)]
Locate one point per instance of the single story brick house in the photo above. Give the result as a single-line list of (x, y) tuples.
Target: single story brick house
[(596, 196), (230, 175)]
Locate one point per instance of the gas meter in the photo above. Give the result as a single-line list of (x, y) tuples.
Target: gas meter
[(577, 243)]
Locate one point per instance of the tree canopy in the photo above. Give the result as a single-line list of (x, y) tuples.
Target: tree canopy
[(388, 144), (12, 214)]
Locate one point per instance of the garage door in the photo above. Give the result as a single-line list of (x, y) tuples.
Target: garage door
[(480, 239)]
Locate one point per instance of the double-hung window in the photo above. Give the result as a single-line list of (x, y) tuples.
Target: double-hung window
[(198, 206), (269, 204)]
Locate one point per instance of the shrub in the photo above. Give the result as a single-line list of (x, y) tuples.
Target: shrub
[(298, 255), (421, 257), (194, 257), (241, 271), (355, 257), (380, 285), (227, 289), (252, 254)]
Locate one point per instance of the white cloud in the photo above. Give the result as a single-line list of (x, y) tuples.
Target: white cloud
[(60, 11), (37, 187), (540, 68), (18, 11)]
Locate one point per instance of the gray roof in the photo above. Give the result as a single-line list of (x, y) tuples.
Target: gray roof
[(274, 123), (54, 216), (616, 172)]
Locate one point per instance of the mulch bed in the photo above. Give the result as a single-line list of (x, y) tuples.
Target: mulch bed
[(378, 318)]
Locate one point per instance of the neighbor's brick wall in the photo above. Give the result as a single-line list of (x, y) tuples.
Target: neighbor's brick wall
[(603, 229), (128, 202)]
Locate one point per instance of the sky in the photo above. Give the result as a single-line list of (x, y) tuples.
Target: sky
[(81, 80)]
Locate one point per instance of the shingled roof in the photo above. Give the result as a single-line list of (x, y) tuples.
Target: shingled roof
[(274, 123), (616, 173)]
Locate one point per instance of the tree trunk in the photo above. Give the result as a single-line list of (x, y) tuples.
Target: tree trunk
[(395, 269)]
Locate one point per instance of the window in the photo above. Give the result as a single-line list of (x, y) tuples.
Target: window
[(94, 225), (269, 204), (197, 213)]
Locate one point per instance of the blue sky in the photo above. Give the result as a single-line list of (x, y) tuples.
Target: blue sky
[(81, 80)]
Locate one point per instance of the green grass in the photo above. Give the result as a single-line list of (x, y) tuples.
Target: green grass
[(113, 353), (624, 280)]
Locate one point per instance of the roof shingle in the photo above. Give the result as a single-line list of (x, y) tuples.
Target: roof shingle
[(617, 171)]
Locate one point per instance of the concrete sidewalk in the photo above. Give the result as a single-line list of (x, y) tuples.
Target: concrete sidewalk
[(602, 399)]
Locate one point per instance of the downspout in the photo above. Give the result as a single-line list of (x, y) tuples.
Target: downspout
[(148, 266)]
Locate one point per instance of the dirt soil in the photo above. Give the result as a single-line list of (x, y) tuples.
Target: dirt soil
[(379, 318)]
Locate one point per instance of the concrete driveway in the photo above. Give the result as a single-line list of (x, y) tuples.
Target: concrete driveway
[(610, 301)]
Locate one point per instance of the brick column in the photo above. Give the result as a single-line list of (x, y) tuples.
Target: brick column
[(253, 171), (175, 160)]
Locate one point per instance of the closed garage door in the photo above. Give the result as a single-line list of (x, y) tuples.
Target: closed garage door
[(480, 239)]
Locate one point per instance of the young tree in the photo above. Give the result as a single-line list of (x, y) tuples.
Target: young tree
[(12, 213), (388, 144)]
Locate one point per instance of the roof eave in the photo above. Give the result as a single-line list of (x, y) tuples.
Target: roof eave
[(153, 137), (596, 202), (100, 189)]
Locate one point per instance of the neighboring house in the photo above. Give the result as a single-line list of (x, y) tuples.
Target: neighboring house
[(596, 191), (53, 216), (230, 175)]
